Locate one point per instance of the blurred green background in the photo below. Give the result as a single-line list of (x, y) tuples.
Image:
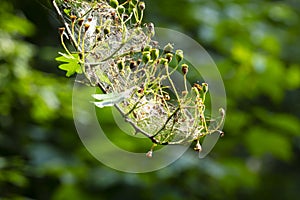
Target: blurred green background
[(255, 44)]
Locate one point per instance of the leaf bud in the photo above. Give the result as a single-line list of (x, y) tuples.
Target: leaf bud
[(184, 93), (120, 64), (86, 27), (125, 17), (168, 48), (198, 147), (106, 30), (221, 133), (149, 154), (131, 7), (154, 54), (114, 3), (164, 61), (146, 57), (222, 112), (147, 48), (151, 29), (169, 57), (73, 18), (97, 29), (80, 21), (61, 30), (198, 87), (121, 9), (167, 97), (179, 55), (132, 65), (195, 90), (141, 90), (184, 68), (142, 5), (205, 87), (139, 61), (134, 2)]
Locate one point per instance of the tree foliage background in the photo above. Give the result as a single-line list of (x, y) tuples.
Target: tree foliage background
[(255, 44)]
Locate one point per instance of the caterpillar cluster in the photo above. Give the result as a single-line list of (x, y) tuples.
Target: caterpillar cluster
[(116, 53)]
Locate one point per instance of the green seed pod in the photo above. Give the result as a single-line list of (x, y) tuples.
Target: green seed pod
[(142, 5), (139, 61), (61, 30), (205, 87), (184, 93), (120, 64), (222, 112), (86, 27), (80, 21), (184, 68), (154, 54), (131, 7), (125, 17), (73, 18), (167, 97), (80, 56), (146, 57), (149, 154), (198, 147), (141, 90), (106, 30), (195, 89), (169, 57), (146, 48), (168, 48), (164, 61), (97, 29), (221, 133), (133, 65), (179, 55), (121, 9), (98, 38), (127, 69), (122, 72), (151, 29), (198, 87), (114, 3), (134, 1)]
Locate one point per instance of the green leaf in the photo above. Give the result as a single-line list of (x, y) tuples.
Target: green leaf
[(286, 123), (67, 11), (71, 64), (261, 141), (103, 77), (17, 178), (71, 68), (67, 58)]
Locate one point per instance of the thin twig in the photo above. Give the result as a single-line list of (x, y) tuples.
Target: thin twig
[(65, 24)]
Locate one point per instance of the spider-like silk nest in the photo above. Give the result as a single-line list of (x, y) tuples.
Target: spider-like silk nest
[(139, 88)]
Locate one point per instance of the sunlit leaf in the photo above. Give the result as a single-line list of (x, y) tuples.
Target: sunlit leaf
[(280, 121), (71, 64), (103, 77), (262, 142)]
